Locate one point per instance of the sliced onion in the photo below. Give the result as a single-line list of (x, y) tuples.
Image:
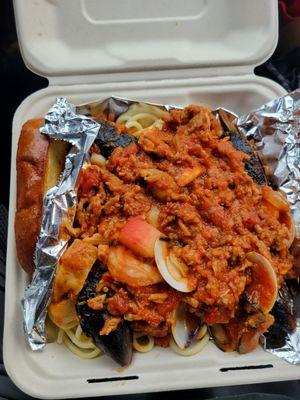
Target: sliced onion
[(98, 159), (172, 273), (195, 348)]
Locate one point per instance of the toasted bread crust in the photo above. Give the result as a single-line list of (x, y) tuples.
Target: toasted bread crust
[(32, 157)]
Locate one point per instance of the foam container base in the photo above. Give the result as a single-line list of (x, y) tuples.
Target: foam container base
[(57, 373)]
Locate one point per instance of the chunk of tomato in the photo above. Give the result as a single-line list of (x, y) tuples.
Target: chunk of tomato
[(139, 236)]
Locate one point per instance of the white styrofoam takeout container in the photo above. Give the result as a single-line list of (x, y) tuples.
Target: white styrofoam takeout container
[(166, 51)]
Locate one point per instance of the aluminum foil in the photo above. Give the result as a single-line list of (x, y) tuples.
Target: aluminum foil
[(61, 123), (274, 128), (116, 105)]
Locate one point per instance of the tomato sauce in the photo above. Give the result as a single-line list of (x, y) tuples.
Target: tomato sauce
[(208, 206)]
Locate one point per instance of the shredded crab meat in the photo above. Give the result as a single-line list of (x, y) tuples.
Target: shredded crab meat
[(109, 326), (97, 303)]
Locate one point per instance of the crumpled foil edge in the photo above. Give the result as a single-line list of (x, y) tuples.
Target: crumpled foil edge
[(61, 123), (274, 129)]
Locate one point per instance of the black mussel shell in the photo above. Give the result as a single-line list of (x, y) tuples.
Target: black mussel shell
[(253, 166), (118, 344), (108, 139), (285, 318)]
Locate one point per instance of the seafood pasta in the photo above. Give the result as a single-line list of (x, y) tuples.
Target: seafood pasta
[(176, 234)]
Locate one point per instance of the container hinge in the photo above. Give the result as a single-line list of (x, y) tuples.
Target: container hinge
[(151, 75)]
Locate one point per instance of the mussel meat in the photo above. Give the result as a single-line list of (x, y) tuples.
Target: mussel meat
[(118, 343)]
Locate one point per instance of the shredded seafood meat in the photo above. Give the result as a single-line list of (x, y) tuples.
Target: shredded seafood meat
[(186, 180)]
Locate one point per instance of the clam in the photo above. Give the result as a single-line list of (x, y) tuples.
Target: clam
[(248, 342), (173, 270), (263, 289), (185, 326), (189, 333), (241, 333), (251, 331), (222, 338), (193, 349), (118, 343)]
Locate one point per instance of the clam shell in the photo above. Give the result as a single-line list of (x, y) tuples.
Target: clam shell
[(170, 272), (185, 327), (264, 282)]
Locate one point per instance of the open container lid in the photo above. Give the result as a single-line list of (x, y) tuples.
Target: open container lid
[(69, 40), (60, 38)]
